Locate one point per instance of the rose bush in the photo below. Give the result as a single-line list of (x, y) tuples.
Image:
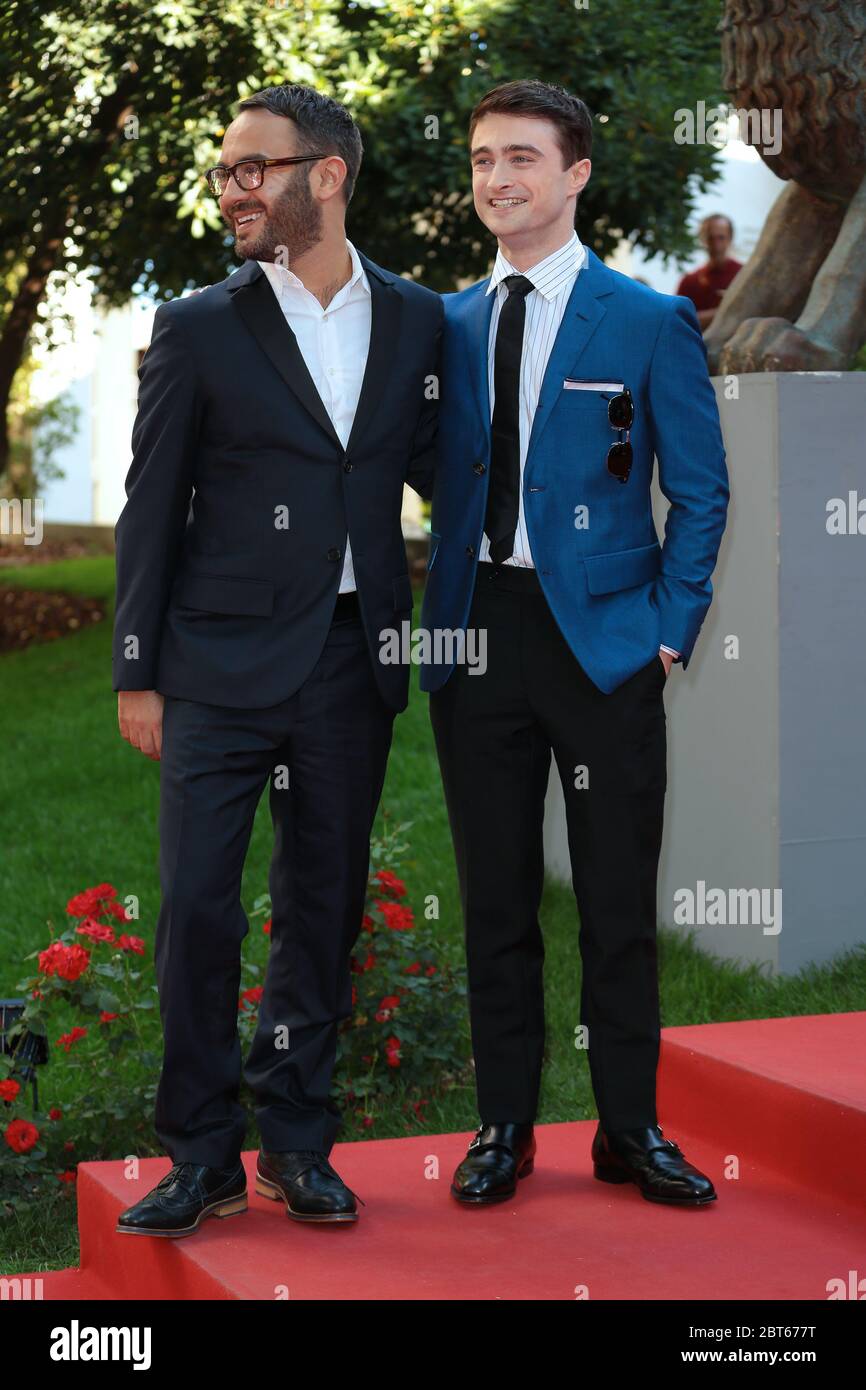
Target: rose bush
[(93, 999)]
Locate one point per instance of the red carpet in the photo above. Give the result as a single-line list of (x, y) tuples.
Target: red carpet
[(786, 1098)]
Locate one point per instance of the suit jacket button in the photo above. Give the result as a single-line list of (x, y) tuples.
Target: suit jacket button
[(479, 468), (470, 550), (347, 466), (334, 553)]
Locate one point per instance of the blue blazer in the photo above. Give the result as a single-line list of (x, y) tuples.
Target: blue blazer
[(615, 591)]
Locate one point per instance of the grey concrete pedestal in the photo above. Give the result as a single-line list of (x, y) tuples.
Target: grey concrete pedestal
[(767, 727)]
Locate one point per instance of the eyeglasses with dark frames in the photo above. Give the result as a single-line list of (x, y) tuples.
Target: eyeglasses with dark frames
[(249, 173), (620, 413)]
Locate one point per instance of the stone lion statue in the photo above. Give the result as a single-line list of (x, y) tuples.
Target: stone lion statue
[(799, 303)]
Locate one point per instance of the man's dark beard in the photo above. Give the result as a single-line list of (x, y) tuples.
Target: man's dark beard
[(292, 227)]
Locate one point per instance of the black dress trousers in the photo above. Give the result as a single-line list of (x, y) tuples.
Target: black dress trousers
[(494, 735), (333, 735)]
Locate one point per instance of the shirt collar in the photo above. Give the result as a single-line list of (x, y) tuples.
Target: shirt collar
[(281, 278), (548, 276)]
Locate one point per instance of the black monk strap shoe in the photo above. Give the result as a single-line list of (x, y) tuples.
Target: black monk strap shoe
[(655, 1164), (306, 1182), (498, 1155), (186, 1195)]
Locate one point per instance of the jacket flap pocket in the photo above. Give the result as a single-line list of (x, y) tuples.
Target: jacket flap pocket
[(622, 569), (402, 592), (215, 593)]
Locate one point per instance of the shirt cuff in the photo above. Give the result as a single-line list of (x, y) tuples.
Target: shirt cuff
[(668, 649)]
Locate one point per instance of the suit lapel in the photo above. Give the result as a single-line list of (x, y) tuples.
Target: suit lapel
[(258, 307), (386, 306), (477, 328), (583, 314)]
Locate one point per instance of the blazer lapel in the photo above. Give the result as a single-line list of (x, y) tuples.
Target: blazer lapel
[(257, 305), (477, 327), (386, 308), (583, 314)]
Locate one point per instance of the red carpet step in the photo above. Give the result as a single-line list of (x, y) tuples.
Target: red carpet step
[(773, 1110)]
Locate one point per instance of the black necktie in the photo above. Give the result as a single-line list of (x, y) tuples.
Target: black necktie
[(503, 498)]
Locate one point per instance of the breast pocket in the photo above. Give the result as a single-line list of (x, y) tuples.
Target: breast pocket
[(587, 405)]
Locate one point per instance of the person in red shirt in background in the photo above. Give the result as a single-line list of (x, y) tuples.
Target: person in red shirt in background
[(706, 285)]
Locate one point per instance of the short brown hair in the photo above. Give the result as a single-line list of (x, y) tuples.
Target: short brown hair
[(321, 124), (529, 97)]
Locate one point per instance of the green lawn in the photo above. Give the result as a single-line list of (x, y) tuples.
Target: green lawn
[(78, 807)]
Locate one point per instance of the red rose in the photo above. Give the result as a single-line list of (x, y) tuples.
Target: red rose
[(67, 962), (21, 1136), (92, 901), (95, 931), (67, 1039), (390, 883), (250, 996), (68, 1176), (9, 1089), (131, 943), (367, 923), (397, 917), (107, 1018), (392, 1052), (386, 1005), (413, 968), (55, 1114), (69, 1145), (431, 970), (266, 927)]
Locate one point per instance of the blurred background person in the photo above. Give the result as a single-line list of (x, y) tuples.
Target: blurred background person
[(706, 285)]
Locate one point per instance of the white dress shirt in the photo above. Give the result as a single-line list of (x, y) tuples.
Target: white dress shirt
[(553, 280), (334, 343)]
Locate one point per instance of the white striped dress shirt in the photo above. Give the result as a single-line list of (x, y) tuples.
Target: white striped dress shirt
[(553, 279)]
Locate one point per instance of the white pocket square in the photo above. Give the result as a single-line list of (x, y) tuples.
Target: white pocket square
[(576, 384)]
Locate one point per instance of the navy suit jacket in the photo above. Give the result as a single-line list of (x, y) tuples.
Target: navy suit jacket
[(217, 600), (615, 591)]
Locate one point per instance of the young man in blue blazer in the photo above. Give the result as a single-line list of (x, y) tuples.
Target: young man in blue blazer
[(561, 381)]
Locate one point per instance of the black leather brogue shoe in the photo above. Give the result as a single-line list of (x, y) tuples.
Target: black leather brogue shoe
[(306, 1182), (656, 1165), (498, 1155), (186, 1195)]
